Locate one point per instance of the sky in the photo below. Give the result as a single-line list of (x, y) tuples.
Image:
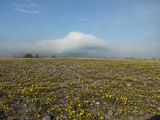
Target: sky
[(89, 28)]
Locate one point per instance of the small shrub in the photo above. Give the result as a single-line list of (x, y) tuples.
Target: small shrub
[(28, 55)]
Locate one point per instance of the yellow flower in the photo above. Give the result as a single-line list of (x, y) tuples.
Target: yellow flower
[(79, 105)]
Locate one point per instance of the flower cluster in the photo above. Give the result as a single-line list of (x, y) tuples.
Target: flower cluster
[(79, 89)]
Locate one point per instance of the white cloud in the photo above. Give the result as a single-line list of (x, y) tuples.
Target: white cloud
[(27, 11), (29, 8), (80, 44), (74, 41)]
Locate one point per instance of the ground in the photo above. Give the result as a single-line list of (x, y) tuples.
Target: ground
[(79, 89)]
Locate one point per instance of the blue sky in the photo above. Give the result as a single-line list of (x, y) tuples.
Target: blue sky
[(116, 22)]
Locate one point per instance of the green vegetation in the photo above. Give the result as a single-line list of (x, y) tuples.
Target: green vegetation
[(28, 55), (79, 89)]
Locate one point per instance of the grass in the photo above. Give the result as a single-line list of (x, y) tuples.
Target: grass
[(79, 89)]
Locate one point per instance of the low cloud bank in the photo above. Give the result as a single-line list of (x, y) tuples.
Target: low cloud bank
[(84, 45), (74, 41), (146, 48)]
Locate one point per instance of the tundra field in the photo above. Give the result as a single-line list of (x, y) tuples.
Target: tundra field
[(79, 89)]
